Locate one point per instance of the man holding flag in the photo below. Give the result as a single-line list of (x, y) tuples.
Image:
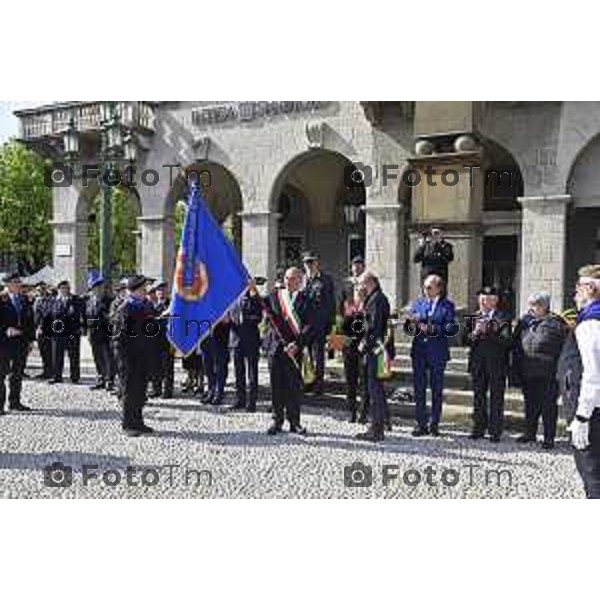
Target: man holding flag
[(291, 330), (209, 277)]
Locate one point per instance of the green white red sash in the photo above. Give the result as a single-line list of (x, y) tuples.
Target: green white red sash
[(289, 313)]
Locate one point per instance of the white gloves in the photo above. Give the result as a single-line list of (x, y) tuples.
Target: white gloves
[(580, 434)]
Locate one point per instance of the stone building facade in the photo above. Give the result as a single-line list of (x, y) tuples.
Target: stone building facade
[(514, 185)]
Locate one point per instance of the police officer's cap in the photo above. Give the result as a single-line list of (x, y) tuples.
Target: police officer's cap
[(136, 282), (61, 283), (309, 256), (159, 285), (12, 278), (358, 260), (488, 290)]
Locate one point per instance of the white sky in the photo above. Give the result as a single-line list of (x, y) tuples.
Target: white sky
[(9, 124)]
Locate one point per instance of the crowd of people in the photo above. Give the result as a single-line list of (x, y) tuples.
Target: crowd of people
[(302, 318)]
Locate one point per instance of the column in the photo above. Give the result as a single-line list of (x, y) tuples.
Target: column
[(385, 248), (543, 241), (69, 253), (260, 232), (157, 246)]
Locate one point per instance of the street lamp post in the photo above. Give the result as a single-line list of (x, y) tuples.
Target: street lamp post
[(111, 152)]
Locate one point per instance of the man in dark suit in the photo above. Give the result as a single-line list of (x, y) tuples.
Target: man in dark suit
[(429, 321), (321, 294), (42, 314), (163, 370), (132, 317), (68, 318), (377, 315), (352, 325), (17, 332), (488, 334), (97, 309), (435, 254), (244, 340), (291, 330)]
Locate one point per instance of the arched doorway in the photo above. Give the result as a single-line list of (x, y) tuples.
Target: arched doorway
[(320, 209), (223, 197), (501, 216), (125, 211), (583, 217)]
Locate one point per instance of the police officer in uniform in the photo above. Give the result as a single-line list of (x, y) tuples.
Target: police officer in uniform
[(136, 324), (215, 354), (488, 334), (578, 377), (42, 314), (291, 330), (321, 294), (244, 341), (68, 318), (97, 310), (163, 371), (17, 332)]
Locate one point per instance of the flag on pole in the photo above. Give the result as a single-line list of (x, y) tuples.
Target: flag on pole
[(209, 277)]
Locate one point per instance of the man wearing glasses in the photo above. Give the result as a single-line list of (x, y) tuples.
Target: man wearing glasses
[(579, 379)]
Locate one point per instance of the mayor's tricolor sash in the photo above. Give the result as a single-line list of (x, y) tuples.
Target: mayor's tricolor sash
[(289, 313)]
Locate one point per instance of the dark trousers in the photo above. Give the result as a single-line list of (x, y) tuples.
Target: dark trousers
[(216, 366), (134, 384), (246, 364), (103, 360), (45, 348), (422, 367), (352, 368), (376, 392), (588, 461), (540, 395), (192, 364), (286, 389), (317, 355), (12, 365), (163, 372), (70, 345), (488, 377)]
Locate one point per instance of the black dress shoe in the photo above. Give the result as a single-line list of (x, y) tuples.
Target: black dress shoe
[(19, 407), (363, 419), (53, 381), (75, 381), (434, 430), (548, 444), (216, 400), (167, 395), (130, 432), (525, 439), (298, 429), (373, 434), (97, 386), (237, 406), (206, 398), (144, 429), (251, 408), (420, 431), (110, 387), (476, 435), (274, 430)]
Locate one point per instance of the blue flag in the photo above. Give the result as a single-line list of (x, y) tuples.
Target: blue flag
[(209, 277)]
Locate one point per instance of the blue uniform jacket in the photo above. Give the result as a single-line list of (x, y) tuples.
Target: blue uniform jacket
[(435, 346)]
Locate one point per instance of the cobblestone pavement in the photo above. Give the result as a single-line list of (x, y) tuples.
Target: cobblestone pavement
[(216, 453)]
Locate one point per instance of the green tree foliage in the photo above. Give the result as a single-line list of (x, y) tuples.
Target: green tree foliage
[(25, 207), (124, 224)]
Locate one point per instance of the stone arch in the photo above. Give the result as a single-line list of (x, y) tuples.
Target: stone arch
[(330, 220), (583, 214)]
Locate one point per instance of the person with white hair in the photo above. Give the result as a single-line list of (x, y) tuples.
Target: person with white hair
[(579, 379), (539, 338)]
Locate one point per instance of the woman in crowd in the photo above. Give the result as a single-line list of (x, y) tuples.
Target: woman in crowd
[(539, 338)]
